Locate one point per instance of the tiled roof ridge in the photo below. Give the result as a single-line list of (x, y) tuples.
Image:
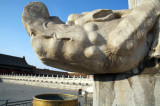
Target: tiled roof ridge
[(14, 60), (12, 56)]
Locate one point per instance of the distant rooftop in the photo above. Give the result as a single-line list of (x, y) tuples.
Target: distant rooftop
[(12, 61)]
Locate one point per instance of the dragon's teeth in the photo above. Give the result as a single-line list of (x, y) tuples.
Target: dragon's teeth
[(54, 36)]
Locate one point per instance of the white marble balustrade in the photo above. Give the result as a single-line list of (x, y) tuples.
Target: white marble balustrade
[(46, 79)]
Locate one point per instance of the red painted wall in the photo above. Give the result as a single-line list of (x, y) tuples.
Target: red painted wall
[(11, 71)]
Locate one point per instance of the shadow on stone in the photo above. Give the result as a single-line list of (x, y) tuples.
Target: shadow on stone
[(1, 80), (112, 77)]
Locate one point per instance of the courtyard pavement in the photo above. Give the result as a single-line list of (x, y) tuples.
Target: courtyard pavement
[(17, 92)]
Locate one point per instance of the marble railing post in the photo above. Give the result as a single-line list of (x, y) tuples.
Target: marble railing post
[(134, 3), (57, 79)]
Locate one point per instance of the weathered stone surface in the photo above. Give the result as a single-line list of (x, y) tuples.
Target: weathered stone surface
[(134, 3), (155, 47), (139, 87), (104, 41), (126, 90), (96, 42)]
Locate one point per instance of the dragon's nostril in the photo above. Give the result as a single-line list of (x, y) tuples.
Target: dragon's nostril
[(65, 38), (32, 34)]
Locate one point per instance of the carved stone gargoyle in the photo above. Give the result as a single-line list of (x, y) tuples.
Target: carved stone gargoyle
[(96, 42)]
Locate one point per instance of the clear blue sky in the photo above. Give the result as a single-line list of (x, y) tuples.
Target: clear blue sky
[(15, 41)]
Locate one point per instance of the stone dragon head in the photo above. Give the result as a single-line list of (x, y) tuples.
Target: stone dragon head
[(97, 42)]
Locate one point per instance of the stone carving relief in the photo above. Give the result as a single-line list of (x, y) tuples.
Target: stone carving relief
[(97, 42)]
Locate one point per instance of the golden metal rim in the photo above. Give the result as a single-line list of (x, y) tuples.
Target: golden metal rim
[(76, 98)]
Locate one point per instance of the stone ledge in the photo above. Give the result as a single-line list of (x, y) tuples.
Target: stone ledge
[(127, 90)]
